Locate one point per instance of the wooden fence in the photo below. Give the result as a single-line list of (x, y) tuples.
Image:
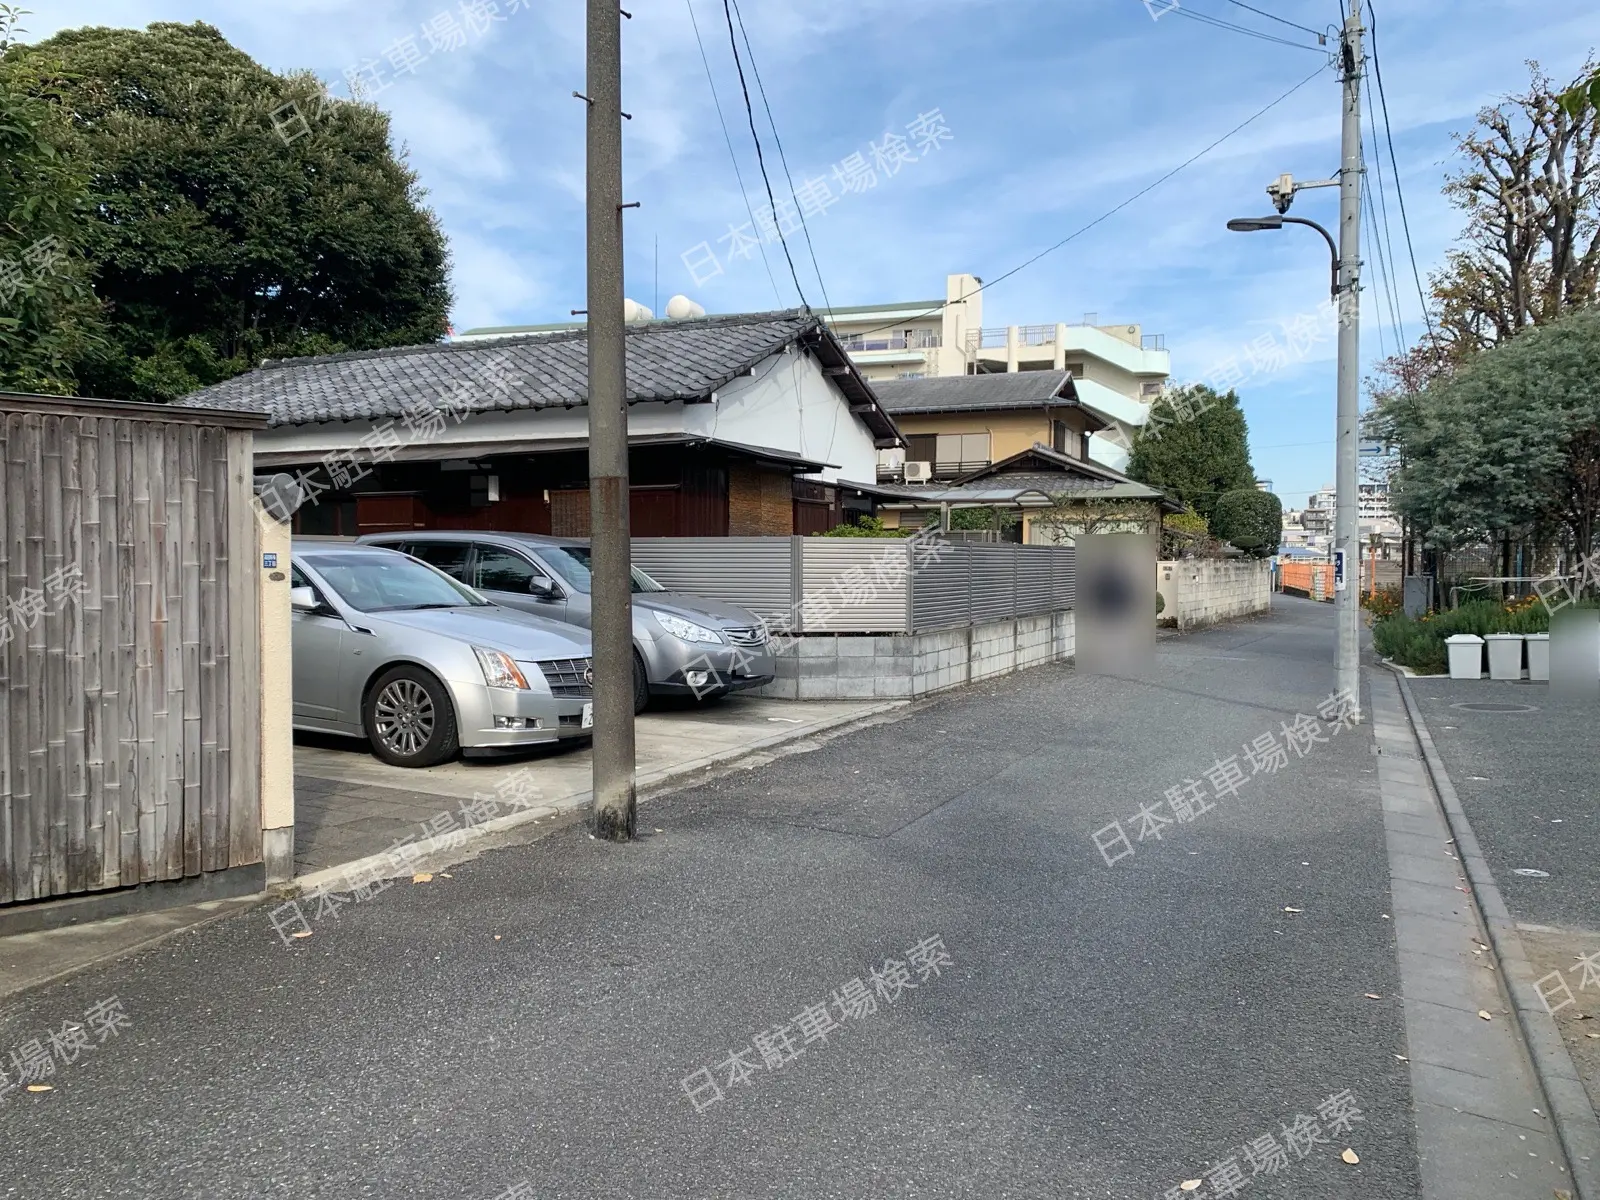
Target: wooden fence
[(129, 653)]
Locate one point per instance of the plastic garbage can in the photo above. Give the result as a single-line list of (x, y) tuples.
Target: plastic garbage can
[(1466, 655), (1539, 656), (1505, 655)]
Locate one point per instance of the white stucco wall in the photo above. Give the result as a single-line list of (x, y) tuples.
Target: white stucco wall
[(787, 403)]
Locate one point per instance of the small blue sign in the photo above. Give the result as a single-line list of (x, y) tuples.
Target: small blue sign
[(269, 562), (1338, 570)]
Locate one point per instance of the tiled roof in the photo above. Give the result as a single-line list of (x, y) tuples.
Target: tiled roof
[(667, 360), (967, 393)]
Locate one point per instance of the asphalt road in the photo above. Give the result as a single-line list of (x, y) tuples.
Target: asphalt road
[(1530, 784), (1098, 1031)]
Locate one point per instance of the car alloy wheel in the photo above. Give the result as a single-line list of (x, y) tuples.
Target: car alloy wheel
[(403, 717)]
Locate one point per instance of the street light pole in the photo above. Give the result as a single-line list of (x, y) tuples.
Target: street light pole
[(1346, 535), (611, 599), (1346, 259)]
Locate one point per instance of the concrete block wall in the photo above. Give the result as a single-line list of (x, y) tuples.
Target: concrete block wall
[(1204, 591), (906, 666)]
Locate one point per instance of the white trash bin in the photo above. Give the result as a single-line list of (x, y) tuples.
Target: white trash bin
[(1505, 656), (1466, 655), (1539, 657)]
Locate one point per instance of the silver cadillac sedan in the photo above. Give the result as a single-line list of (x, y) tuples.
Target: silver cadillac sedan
[(395, 651)]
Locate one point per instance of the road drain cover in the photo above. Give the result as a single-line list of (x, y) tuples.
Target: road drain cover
[(1531, 872), (1484, 706)]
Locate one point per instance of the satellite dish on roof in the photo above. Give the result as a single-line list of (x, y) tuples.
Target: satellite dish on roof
[(634, 313), (681, 308)]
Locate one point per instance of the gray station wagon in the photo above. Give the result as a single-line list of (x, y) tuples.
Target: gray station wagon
[(683, 645)]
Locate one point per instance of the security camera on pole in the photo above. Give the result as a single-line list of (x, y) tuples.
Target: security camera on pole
[(1346, 261)]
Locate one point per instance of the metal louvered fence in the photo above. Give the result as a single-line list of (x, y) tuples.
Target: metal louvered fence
[(865, 585)]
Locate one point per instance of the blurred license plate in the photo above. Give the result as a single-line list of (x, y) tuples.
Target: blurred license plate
[(588, 716)]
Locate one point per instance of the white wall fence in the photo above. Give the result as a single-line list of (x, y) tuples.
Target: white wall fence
[(1202, 591)]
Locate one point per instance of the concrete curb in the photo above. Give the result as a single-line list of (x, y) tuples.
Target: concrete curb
[(467, 843), (1577, 1126)]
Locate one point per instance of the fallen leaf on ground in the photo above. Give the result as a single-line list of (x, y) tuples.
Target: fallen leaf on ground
[(1374, 996), (1286, 909), (446, 875), (301, 933), (422, 877), (1484, 1013), (1402, 1058), (40, 1087), (1592, 1035), (1583, 1017), (660, 830), (1350, 1155), (1188, 1185), (497, 937)]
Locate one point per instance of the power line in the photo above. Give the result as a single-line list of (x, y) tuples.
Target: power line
[(1388, 133), (1218, 22), (1109, 213), (1260, 12), (783, 158), (1385, 243), (750, 113), (1366, 232), (727, 137)]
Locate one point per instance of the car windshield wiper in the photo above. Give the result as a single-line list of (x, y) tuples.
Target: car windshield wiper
[(458, 604)]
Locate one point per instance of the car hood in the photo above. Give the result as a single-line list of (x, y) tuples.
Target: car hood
[(697, 608), (522, 635)]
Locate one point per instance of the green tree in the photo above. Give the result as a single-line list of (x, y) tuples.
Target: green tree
[(230, 228), (48, 315), (1508, 445), (1195, 447), (1250, 519)]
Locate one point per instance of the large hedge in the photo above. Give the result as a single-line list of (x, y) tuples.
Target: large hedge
[(1251, 520)]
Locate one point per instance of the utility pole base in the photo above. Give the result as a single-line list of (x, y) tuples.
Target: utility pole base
[(616, 820)]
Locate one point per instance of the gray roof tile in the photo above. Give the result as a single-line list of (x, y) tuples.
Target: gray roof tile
[(667, 360), (966, 393)]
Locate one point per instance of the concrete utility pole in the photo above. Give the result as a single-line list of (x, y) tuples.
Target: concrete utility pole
[(1346, 536), (612, 597)]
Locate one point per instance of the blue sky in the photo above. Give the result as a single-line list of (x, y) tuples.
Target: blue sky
[(1058, 110)]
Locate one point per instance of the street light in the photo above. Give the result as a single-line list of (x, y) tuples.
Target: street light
[(1260, 224)]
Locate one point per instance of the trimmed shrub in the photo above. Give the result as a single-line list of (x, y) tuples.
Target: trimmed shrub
[(1249, 519)]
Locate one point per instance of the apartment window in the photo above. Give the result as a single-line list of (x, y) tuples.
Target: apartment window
[(958, 453), (921, 447), (1150, 389)]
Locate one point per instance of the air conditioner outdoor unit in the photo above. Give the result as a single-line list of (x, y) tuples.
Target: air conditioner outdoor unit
[(919, 472)]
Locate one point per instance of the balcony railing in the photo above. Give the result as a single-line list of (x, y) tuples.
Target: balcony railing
[(895, 473), (1043, 335), (925, 339)]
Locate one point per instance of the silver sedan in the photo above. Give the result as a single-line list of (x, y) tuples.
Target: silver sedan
[(393, 650)]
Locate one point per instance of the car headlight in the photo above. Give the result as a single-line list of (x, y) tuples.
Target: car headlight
[(498, 668), (687, 631)]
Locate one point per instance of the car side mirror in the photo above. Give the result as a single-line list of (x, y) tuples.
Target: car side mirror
[(303, 599), (542, 587)]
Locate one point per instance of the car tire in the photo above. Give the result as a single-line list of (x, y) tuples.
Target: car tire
[(409, 719), (641, 684)]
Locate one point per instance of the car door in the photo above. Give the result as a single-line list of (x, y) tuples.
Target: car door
[(508, 577), (318, 648)]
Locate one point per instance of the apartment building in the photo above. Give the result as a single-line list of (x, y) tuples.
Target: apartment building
[(1117, 369)]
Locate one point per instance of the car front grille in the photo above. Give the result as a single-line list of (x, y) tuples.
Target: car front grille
[(575, 721), (746, 637), (566, 676)]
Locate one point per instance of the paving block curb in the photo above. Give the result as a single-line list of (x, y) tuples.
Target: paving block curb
[(1577, 1127)]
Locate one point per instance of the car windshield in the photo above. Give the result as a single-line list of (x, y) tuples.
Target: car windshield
[(391, 583), (572, 564)]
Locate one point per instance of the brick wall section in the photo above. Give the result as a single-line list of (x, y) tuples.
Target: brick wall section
[(760, 501), (1202, 592)]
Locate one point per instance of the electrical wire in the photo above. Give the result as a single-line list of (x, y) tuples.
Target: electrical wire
[(727, 137), (761, 88), (750, 113), (1384, 242), (1218, 22), (1367, 234), (1405, 222), (1261, 12), (1111, 212)]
